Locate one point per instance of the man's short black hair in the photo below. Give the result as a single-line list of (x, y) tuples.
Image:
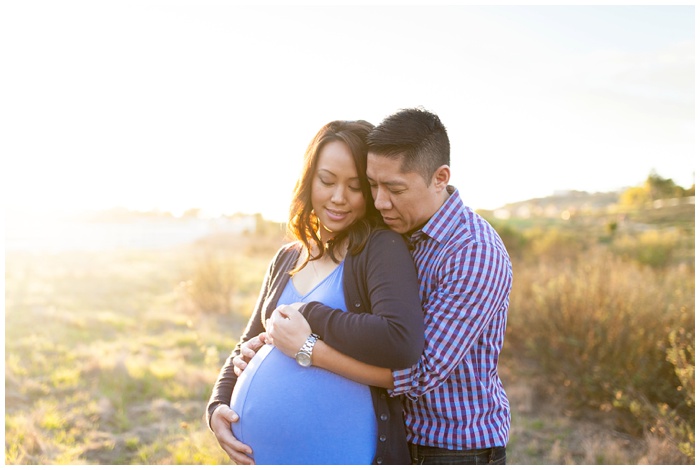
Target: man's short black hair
[(416, 135)]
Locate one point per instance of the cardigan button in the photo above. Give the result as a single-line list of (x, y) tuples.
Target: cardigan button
[(357, 304), (382, 438), (384, 417), (380, 461)]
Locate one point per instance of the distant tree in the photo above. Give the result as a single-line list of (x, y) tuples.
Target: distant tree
[(265, 227), (635, 197), (661, 188), (655, 187), (192, 213)]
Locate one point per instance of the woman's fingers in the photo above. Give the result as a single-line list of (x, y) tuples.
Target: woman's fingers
[(221, 421)]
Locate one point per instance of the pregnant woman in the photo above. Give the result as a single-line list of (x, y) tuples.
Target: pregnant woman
[(282, 410)]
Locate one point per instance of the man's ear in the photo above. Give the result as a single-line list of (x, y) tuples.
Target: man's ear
[(441, 178)]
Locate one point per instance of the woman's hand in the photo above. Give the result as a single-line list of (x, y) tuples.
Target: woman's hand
[(287, 329), (221, 421)]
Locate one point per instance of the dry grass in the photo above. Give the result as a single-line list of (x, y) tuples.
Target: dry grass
[(102, 363), (110, 357), (614, 337)]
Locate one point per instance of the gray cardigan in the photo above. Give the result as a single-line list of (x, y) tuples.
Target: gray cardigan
[(385, 329)]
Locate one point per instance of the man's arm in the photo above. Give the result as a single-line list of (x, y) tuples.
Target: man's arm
[(473, 289), (330, 359)]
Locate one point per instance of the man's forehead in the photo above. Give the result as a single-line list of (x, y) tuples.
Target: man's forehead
[(384, 162), (388, 168)]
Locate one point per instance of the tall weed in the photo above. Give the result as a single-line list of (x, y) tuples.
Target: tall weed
[(213, 282)]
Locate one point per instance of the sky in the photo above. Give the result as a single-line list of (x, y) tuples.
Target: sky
[(171, 105)]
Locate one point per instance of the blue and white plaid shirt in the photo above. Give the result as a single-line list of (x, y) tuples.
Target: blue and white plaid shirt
[(453, 397)]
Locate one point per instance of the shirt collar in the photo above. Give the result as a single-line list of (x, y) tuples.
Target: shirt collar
[(441, 224)]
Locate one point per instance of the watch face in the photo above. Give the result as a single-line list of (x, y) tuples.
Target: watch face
[(304, 359)]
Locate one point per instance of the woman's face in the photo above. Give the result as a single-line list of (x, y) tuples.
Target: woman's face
[(336, 195)]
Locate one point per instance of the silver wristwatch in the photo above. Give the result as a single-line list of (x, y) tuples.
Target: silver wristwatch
[(303, 357)]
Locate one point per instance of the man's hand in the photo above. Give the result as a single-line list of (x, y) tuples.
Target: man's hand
[(221, 421), (248, 350)]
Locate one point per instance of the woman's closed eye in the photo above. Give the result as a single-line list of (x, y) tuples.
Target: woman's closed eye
[(329, 183)]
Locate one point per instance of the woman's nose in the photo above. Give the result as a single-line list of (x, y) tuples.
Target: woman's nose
[(338, 196)]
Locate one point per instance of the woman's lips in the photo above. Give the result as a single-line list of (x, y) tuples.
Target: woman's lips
[(336, 215)]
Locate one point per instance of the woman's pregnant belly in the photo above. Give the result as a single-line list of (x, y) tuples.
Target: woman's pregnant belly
[(296, 415)]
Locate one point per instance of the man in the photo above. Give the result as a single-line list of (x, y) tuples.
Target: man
[(455, 406)]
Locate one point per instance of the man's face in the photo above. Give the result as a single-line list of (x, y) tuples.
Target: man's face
[(405, 200)]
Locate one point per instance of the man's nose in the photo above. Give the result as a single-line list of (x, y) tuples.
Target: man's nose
[(381, 200)]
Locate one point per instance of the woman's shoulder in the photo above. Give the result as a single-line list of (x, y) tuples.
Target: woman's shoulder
[(287, 250), (385, 235), (383, 242), (291, 247)]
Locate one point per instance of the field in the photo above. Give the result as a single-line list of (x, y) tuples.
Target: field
[(110, 355)]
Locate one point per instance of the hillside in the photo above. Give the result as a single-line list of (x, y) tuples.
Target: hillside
[(583, 207), (560, 203)]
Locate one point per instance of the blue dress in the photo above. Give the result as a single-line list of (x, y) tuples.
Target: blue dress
[(291, 414)]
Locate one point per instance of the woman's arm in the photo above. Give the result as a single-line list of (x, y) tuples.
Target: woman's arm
[(287, 329), (226, 381), (392, 335)]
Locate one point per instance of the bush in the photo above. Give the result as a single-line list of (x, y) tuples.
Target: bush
[(554, 244), (603, 328), (652, 248), (212, 283), (513, 239), (673, 424)]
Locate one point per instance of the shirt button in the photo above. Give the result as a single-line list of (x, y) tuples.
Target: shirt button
[(382, 438), (384, 417)]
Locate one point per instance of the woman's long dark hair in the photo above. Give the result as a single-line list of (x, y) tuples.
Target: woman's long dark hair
[(303, 224)]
